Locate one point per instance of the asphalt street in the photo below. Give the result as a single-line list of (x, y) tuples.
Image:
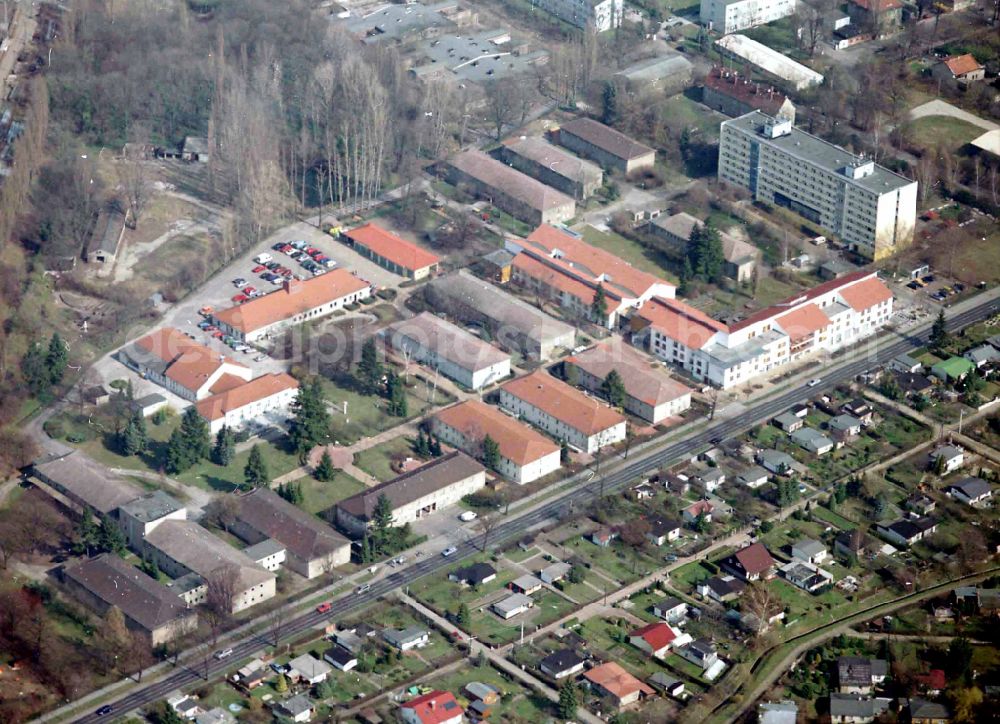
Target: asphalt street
[(574, 500)]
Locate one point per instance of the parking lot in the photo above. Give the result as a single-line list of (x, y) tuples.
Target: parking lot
[(219, 291)]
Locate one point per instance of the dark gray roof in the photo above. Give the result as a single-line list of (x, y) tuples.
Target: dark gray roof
[(340, 655), (145, 601), (653, 69), (303, 535), (108, 232), (608, 139), (416, 484), (474, 574), (660, 526), (925, 709), (81, 478), (669, 602), (852, 705), (561, 660), (972, 487), (152, 507)]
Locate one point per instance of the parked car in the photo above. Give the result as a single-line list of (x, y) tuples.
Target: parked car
[(277, 245), (450, 550), (300, 244), (224, 653), (239, 282), (259, 268), (104, 710), (814, 381), (239, 298), (204, 325), (324, 607), (263, 258), (364, 588), (467, 516)]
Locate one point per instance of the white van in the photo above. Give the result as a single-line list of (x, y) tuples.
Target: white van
[(263, 258)]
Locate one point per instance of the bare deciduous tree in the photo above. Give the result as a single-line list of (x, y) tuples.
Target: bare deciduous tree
[(763, 603), (222, 585)]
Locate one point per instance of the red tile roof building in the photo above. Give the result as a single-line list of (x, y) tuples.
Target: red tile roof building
[(392, 252), (248, 401), (655, 639), (612, 680), (525, 455), (750, 563), (296, 302), (830, 316), (435, 707), (563, 268), (650, 392), (188, 369), (563, 412)]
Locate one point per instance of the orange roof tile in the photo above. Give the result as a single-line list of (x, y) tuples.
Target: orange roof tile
[(681, 321), (804, 321), (225, 383), (434, 707), (644, 380), (962, 64), (294, 298), (866, 294), (589, 262), (216, 406), (555, 277), (564, 403), (189, 363), (617, 681), (389, 246), (518, 442), (806, 296)]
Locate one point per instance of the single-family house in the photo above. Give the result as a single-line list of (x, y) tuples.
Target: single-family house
[(671, 609), (217, 715), (562, 663), (603, 537), (932, 683), (478, 691), (751, 563), (953, 458), (843, 426), (722, 589), (555, 572), (806, 576), (473, 575), (700, 652), (788, 422), (855, 709), (971, 491), (340, 658), (514, 604), (920, 504), (923, 711), (308, 668), (699, 509), (411, 637), (959, 69), (662, 530), (809, 550), (776, 462), (752, 477), (777, 712), (812, 440), (711, 479), (852, 544), (905, 363), (348, 640), (952, 369), (435, 707), (913, 383), (614, 682), (655, 639), (643, 491), (859, 674), (526, 584), (907, 531), (982, 355)]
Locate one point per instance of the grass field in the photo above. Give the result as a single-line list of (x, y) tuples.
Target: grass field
[(648, 260), (319, 497), (377, 461), (933, 131)]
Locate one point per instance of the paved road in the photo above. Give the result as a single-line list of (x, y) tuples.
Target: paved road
[(939, 107), (573, 500)]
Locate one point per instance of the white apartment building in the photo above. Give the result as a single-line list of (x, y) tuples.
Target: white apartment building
[(869, 207), (448, 349), (731, 16), (599, 14), (563, 412), (525, 455), (833, 315), (248, 402)]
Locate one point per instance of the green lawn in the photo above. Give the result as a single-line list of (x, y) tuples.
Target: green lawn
[(689, 575), (619, 561), (834, 519), (377, 461), (366, 414), (648, 260), (932, 131), (319, 497)]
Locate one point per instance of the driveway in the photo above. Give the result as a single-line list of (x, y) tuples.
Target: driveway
[(943, 108)]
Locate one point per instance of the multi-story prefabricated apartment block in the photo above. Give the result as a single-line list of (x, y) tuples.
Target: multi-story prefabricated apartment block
[(601, 15), (869, 207), (731, 16), (831, 316)]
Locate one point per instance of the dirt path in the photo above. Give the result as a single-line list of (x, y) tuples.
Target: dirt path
[(938, 107)]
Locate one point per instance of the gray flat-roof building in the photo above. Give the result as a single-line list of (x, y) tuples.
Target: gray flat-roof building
[(513, 324), (508, 189), (84, 483), (393, 23), (871, 208), (415, 494), (138, 517), (149, 607), (477, 58), (553, 166)]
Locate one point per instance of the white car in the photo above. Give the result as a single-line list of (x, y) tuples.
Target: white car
[(263, 258), (467, 516), (814, 381), (449, 551)]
